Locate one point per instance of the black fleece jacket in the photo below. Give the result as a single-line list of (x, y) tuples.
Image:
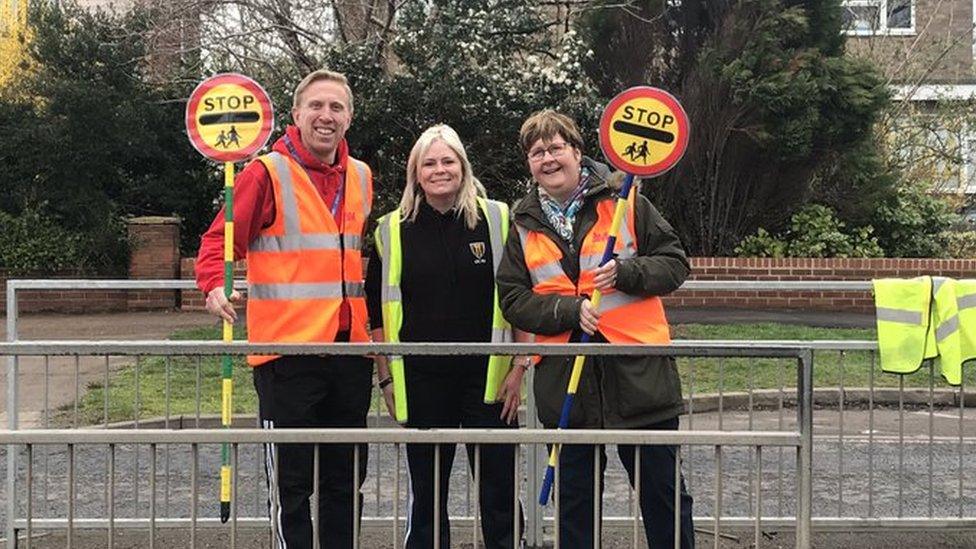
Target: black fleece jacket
[(447, 282)]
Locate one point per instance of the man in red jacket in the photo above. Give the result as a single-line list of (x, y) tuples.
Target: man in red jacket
[(300, 214)]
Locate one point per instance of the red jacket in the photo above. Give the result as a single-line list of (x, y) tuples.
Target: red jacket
[(254, 209)]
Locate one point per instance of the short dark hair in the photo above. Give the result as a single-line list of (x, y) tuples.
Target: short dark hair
[(546, 125)]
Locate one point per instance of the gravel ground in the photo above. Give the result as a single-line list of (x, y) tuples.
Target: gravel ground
[(254, 539), (869, 478)]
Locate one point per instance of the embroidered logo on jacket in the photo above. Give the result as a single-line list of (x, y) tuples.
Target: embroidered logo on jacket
[(478, 250)]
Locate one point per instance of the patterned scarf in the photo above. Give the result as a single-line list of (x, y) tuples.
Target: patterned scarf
[(562, 216)]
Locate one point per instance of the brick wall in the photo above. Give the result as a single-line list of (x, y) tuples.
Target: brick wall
[(735, 268), (155, 255), (193, 300), (63, 301), (727, 268), (155, 243)]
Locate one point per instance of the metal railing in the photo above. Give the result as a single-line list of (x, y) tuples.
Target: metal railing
[(892, 452), (799, 438)]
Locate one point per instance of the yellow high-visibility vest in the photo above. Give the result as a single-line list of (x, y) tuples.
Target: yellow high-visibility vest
[(966, 301), (945, 320), (926, 318), (387, 238), (903, 317)]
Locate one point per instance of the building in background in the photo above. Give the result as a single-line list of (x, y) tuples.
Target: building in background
[(926, 49)]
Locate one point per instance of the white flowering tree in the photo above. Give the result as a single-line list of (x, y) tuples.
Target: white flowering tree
[(481, 67)]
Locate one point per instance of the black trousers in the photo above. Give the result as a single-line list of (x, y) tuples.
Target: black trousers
[(656, 492), (311, 391), (451, 396)]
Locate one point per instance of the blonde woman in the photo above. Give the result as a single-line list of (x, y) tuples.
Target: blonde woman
[(431, 278)]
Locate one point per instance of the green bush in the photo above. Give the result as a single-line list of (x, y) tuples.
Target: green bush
[(814, 231), (960, 244), (34, 244), (913, 223)]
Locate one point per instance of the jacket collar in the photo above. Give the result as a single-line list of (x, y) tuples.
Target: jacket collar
[(304, 157)]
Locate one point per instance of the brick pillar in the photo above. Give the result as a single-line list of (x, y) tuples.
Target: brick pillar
[(155, 243)]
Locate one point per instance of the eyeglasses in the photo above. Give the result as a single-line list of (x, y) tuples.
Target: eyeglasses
[(555, 150)]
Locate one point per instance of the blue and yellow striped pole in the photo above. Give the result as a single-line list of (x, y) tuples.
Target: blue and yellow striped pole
[(227, 372), (574, 378)]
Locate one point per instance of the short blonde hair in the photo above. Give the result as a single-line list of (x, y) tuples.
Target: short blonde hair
[(315, 76), (466, 202), (546, 125)]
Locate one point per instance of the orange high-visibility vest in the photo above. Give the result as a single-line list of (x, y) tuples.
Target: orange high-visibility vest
[(301, 267), (624, 318)]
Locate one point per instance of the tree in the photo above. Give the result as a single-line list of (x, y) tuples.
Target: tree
[(88, 140), (769, 94), (481, 66), (13, 39)]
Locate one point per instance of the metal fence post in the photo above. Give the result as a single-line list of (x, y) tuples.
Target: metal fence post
[(534, 460), (804, 456), (11, 528)]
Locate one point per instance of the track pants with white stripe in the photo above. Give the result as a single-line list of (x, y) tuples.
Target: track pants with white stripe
[(312, 391)]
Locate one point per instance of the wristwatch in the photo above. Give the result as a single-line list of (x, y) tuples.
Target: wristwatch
[(384, 382), (522, 362)]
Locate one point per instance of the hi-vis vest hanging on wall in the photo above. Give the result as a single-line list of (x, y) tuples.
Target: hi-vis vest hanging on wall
[(387, 238), (624, 318), (300, 268), (926, 318)]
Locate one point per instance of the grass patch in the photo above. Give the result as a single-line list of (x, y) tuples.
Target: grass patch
[(152, 374), (853, 368), (704, 374)]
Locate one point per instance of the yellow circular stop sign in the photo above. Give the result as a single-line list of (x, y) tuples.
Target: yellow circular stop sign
[(229, 117), (644, 131)]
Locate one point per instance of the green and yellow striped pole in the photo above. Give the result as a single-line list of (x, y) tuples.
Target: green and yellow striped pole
[(227, 372), (223, 100)]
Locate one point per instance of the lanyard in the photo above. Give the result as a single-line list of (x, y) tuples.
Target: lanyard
[(337, 199)]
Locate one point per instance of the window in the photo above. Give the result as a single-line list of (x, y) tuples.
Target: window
[(869, 17)]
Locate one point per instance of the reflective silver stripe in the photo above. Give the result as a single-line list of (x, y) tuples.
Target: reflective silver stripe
[(352, 241), (546, 271), (354, 289), (966, 301), (363, 173), (390, 293), (293, 242), (629, 248), (501, 335), (614, 300), (523, 235), (494, 211), (295, 290), (947, 328), (387, 291), (542, 272), (289, 206), (589, 262), (937, 282), (900, 316)]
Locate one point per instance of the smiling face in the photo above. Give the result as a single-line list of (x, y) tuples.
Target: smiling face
[(555, 166), (439, 173), (322, 116)]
